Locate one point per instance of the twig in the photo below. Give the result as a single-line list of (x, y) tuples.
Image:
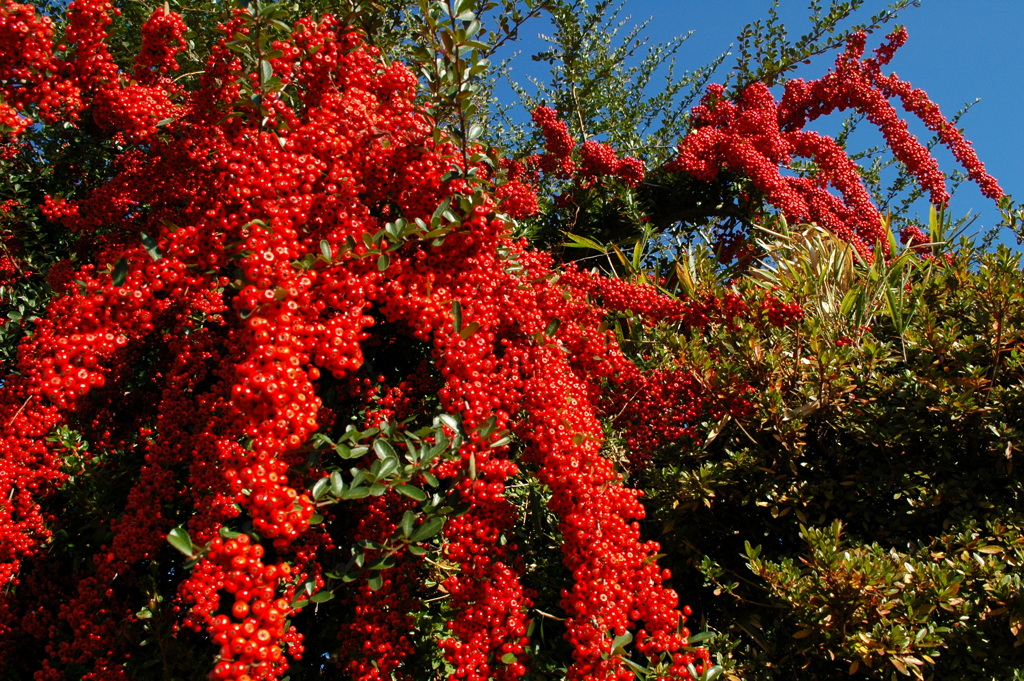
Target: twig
[(548, 615), (20, 409)]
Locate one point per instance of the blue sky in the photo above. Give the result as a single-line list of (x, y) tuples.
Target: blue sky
[(958, 51)]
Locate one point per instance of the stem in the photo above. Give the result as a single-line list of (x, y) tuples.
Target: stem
[(17, 413), (579, 112), (459, 83), (513, 33)]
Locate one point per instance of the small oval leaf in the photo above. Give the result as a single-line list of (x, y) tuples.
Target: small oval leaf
[(384, 450), (179, 539), (428, 529), (321, 596), (120, 273), (411, 492)]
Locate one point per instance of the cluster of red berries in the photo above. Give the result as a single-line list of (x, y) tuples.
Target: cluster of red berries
[(250, 638), (27, 466), (27, 70), (163, 37), (596, 159), (755, 136), (662, 406)]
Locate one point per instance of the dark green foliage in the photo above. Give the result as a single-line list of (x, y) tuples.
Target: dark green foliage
[(863, 517)]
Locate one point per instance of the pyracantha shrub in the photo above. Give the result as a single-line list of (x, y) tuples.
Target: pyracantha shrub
[(292, 337), (295, 338)]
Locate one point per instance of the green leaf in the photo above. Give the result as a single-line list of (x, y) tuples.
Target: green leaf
[(151, 246), (990, 549), (356, 493), (849, 300), (638, 250), (337, 484), (412, 492), (450, 421), (387, 467), (713, 673), (320, 488), (428, 529), (441, 443), (501, 442), (584, 242), (639, 670), (358, 477), (282, 26), (509, 658), (487, 428), (442, 208), (384, 450), (325, 249), (120, 273), (383, 261), (702, 636), (457, 316), (893, 245), (266, 70), (352, 452), (376, 582), (552, 327), (179, 539), (408, 521), (321, 596), (620, 642)]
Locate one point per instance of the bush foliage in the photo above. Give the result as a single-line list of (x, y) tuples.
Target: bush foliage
[(860, 515)]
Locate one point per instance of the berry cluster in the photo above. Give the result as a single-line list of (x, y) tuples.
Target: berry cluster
[(596, 159), (27, 69), (755, 136), (250, 637), (241, 284), (163, 37)]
